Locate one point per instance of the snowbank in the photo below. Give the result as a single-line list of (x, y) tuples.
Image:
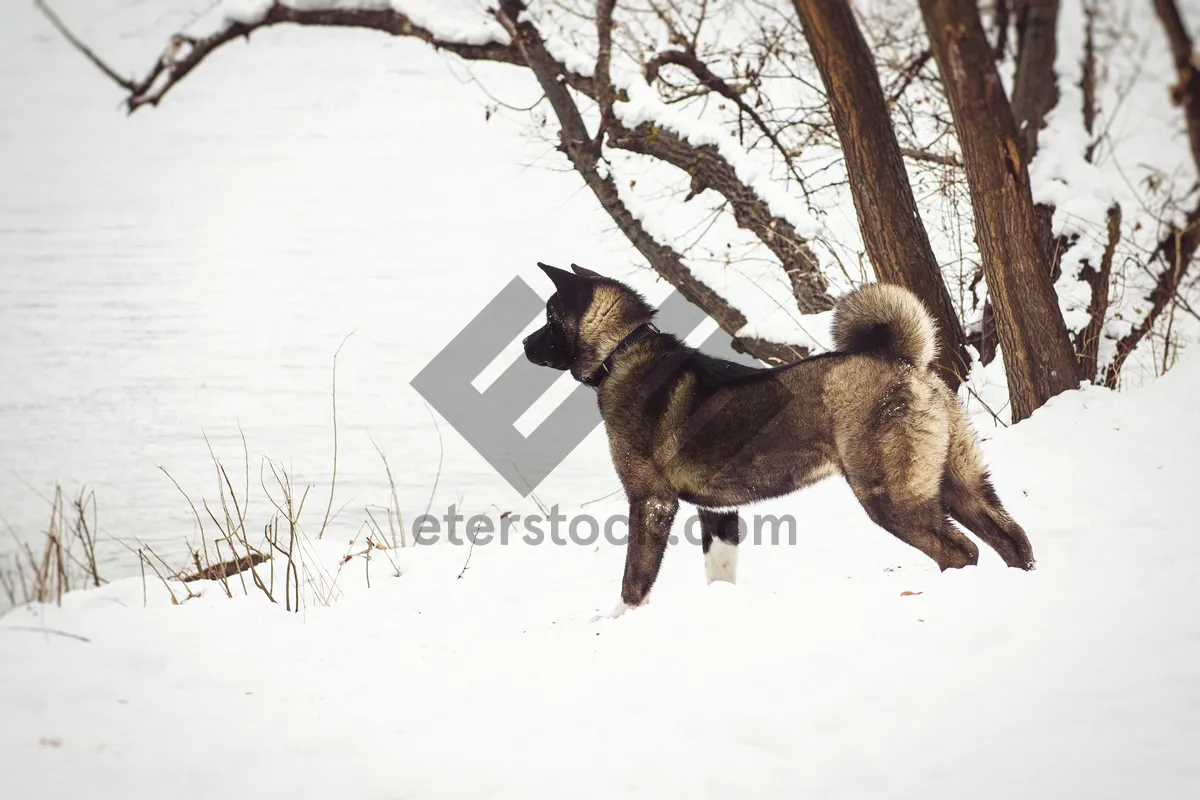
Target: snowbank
[(818, 675)]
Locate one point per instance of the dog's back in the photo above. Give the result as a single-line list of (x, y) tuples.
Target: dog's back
[(726, 434)]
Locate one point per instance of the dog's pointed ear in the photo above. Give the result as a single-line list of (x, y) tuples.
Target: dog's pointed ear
[(563, 281), (584, 272), (575, 291)]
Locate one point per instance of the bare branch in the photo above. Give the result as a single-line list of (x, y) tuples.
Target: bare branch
[(184, 53), (709, 170), (907, 75), (1177, 250), (1087, 345), (81, 47), (604, 90), (526, 49), (948, 160), (1087, 82), (715, 83), (577, 145), (1186, 93)]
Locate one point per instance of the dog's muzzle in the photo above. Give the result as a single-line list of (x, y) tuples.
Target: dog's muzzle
[(530, 351)]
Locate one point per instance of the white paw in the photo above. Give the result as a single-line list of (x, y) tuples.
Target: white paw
[(720, 562), (616, 612)]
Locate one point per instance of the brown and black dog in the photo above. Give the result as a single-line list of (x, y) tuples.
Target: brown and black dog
[(685, 426)]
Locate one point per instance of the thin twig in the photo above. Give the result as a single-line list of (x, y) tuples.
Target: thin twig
[(395, 499), (125, 83), (470, 552), (437, 475), (333, 480), (35, 629)]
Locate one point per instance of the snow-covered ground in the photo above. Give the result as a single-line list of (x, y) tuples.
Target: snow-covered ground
[(843, 666)]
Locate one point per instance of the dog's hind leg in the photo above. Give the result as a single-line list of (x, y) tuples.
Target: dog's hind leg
[(968, 496), (720, 535), (894, 465), (922, 524)]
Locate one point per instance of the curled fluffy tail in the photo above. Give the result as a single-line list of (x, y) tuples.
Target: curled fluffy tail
[(885, 318)]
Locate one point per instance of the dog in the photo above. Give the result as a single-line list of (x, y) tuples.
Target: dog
[(683, 425)]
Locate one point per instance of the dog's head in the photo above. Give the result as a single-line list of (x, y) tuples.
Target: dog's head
[(586, 318)]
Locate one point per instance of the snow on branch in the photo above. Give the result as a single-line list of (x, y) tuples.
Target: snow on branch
[(1176, 251), (584, 153), (639, 123), (232, 20), (1179, 246)]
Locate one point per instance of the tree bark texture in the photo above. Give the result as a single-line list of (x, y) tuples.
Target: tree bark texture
[(891, 226), (1035, 91), (1088, 343), (1038, 356), (1186, 92)]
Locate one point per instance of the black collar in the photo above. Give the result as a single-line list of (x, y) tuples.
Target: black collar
[(636, 335)]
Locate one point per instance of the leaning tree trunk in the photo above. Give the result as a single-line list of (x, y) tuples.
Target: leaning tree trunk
[(1186, 92), (887, 211), (1035, 91), (1034, 94), (1038, 356)]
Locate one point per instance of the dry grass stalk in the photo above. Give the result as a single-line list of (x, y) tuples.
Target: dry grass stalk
[(223, 551), (66, 560)]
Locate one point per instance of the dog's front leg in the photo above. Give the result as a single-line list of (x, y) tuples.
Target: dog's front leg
[(650, 522)]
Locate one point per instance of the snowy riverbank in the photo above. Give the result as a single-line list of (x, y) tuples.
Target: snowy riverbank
[(819, 675)]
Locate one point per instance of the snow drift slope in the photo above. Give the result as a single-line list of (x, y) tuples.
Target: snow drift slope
[(816, 676)]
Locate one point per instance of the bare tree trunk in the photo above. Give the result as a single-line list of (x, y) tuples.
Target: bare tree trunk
[(1038, 356), (1035, 93), (1035, 90), (887, 211), (1186, 93), (1000, 23)]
